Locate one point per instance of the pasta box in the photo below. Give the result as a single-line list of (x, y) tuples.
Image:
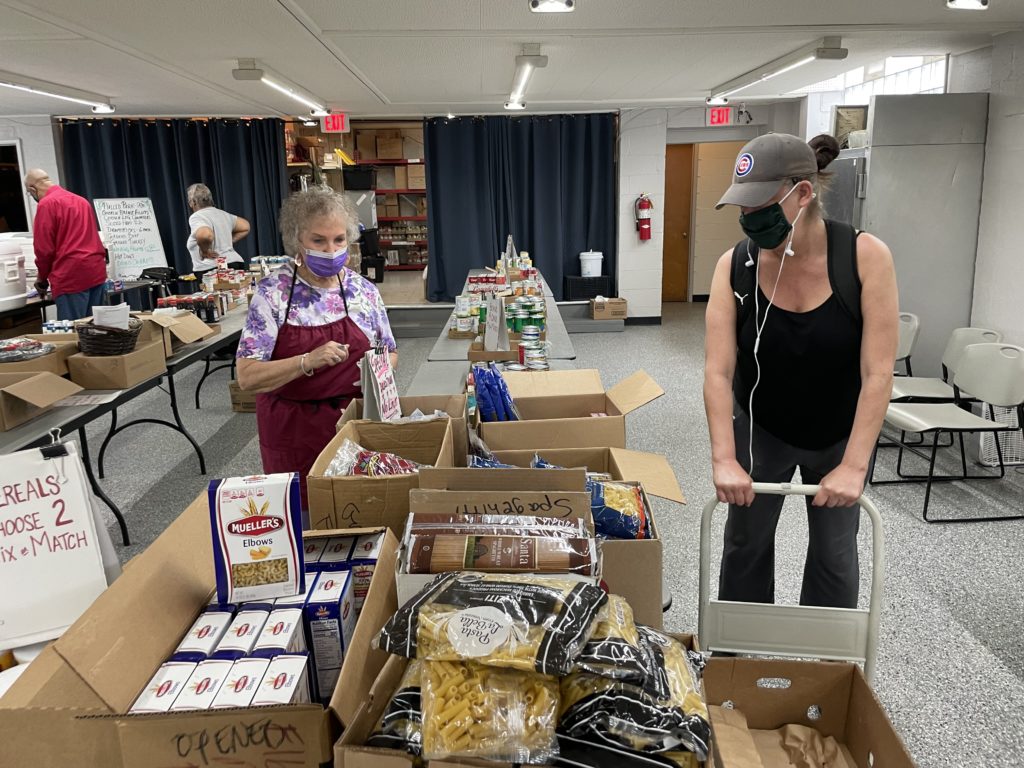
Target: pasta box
[(631, 567), (23, 396), (203, 686), (312, 550), (363, 564), (330, 617), (241, 683), (568, 409), (71, 705), (286, 682)]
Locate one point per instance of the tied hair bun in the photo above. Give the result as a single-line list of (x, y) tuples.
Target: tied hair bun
[(826, 149)]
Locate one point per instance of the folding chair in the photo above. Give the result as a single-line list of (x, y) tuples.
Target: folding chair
[(990, 373), (910, 324), (917, 388)]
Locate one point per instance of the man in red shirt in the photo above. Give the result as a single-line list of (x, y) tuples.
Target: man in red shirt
[(69, 254)]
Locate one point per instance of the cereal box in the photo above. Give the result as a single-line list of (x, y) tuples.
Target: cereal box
[(282, 634), (363, 563), (160, 692), (241, 683), (202, 638), (241, 635), (337, 554), (257, 537), (312, 551), (203, 686), (330, 621), (299, 600), (285, 682)]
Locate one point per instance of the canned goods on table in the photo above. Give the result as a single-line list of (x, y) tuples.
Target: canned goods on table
[(464, 324), (518, 367), (462, 304)]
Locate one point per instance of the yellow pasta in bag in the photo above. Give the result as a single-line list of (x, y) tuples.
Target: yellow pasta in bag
[(400, 726), (614, 649)]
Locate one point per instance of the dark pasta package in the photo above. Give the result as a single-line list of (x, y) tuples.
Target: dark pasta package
[(401, 725), (615, 649), (497, 525), (440, 553)]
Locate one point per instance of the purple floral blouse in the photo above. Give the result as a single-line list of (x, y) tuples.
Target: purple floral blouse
[(311, 306)]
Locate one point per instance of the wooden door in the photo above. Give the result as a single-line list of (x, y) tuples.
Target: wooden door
[(678, 198)]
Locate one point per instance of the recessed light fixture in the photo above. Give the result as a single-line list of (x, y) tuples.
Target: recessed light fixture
[(967, 5), (98, 104), (552, 6)]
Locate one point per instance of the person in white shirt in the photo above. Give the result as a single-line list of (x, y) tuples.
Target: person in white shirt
[(213, 232)]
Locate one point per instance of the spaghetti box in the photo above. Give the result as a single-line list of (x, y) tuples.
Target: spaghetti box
[(282, 634), (363, 563), (203, 686), (241, 635), (166, 685), (201, 640), (299, 600), (330, 621), (313, 549), (337, 554), (285, 682), (241, 683)]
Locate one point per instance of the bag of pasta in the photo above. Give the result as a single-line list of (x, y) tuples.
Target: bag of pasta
[(530, 622), (472, 710), (400, 726), (614, 649), (627, 715)]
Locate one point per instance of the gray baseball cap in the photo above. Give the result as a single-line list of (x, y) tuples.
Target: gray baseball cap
[(765, 162)]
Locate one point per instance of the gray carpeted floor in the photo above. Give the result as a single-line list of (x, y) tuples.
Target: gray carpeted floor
[(951, 665)]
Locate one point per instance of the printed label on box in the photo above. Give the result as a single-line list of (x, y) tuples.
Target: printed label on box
[(167, 684), (330, 618), (241, 635), (284, 683), (201, 640), (241, 683), (299, 600), (203, 686), (338, 553), (364, 563), (281, 634), (313, 549)]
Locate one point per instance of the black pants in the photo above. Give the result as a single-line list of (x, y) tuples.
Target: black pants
[(832, 570)]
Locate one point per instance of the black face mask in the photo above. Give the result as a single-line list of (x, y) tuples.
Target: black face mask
[(767, 227)]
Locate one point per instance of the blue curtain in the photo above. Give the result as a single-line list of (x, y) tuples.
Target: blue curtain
[(242, 161), (548, 181)]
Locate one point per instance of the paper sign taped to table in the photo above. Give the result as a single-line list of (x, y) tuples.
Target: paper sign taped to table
[(380, 391), (496, 331), (131, 234), (48, 546)]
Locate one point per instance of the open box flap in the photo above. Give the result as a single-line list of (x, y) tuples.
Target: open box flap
[(635, 391), (41, 389), (554, 383), (650, 469), (503, 479)]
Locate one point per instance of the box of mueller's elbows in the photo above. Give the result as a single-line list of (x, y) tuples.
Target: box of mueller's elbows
[(330, 618), (363, 562)]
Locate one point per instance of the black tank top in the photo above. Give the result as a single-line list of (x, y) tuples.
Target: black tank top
[(810, 372)]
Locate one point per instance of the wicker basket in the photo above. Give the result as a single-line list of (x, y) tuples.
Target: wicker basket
[(101, 341)]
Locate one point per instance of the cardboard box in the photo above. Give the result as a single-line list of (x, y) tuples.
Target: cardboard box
[(401, 177), (609, 309), (23, 396), (366, 145), (340, 502), (392, 211), (847, 709), (118, 371), (632, 569), (417, 176), (556, 408), (174, 330), (389, 148), (453, 405), (69, 706), (421, 205), (241, 401), (53, 337), (412, 138), (56, 362), (477, 354)]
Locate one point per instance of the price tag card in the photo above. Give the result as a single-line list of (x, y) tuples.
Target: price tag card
[(496, 330), (380, 391), (51, 567)]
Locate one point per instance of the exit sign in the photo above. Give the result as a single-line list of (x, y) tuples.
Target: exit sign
[(719, 116), (336, 122)]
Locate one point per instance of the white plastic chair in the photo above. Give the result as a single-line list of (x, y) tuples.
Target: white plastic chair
[(910, 325), (932, 389)]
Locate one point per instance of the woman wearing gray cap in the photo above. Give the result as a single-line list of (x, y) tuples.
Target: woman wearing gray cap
[(801, 338)]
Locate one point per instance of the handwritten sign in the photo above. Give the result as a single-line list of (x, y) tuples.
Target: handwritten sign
[(496, 331), (540, 503), (48, 546), (131, 234), (380, 391)]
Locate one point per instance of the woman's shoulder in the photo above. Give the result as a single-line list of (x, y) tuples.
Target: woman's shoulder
[(275, 285), (356, 284)]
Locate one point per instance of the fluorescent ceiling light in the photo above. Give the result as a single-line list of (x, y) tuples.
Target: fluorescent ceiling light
[(41, 88), (530, 60), (552, 6), (826, 48), (293, 94), (967, 5)]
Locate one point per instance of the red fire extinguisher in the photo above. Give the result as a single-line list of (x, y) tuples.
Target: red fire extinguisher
[(642, 214)]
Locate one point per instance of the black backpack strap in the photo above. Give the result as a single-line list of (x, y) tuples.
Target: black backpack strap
[(742, 281), (842, 267)]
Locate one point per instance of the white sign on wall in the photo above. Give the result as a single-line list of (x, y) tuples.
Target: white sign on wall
[(131, 235)]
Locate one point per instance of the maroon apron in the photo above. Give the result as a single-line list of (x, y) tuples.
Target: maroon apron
[(297, 420)]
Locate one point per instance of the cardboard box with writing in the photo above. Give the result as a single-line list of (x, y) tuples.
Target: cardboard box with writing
[(173, 330), (390, 145), (70, 705), (366, 145), (417, 176), (23, 396), (359, 501), (609, 309), (453, 405), (55, 362), (631, 568), (556, 408), (745, 736), (241, 401), (118, 371)]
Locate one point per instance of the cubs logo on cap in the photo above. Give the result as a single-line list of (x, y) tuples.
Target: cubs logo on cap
[(744, 164), (764, 164)]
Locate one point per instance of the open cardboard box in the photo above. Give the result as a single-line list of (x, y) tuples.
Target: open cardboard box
[(241, 400), (174, 330), (69, 706), (118, 371), (55, 362), (453, 405), (477, 354), (360, 501), (767, 694), (23, 396), (631, 568), (556, 407)]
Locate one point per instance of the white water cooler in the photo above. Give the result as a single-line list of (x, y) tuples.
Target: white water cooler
[(12, 275)]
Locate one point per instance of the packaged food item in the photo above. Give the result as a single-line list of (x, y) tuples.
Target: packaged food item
[(241, 635), (363, 563), (203, 686), (166, 685), (401, 725), (311, 551), (330, 617), (615, 649), (285, 682), (353, 459), (619, 511), (440, 553), (337, 554), (18, 349), (241, 683), (299, 600), (257, 537), (202, 637), (282, 634), (533, 622), (497, 525), (493, 398), (472, 710), (480, 462)]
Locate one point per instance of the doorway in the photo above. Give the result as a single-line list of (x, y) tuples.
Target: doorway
[(675, 272), (13, 204)]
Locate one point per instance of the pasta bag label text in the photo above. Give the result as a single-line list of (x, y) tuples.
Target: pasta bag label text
[(476, 632)]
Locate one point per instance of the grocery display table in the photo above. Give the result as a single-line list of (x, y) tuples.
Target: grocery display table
[(449, 377)]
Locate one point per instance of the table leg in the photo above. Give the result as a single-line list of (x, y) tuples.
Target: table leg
[(98, 489), (181, 425), (209, 372), (106, 440)]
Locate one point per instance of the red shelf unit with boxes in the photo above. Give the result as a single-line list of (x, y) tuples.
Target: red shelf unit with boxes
[(401, 218), (405, 267)]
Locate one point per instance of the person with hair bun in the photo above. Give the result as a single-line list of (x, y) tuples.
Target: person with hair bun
[(309, 325), (802, 329)]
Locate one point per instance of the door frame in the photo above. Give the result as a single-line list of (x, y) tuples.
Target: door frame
[(16, 143)]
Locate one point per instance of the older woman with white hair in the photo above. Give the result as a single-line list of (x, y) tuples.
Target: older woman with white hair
[(212, 232), (309, 324)]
